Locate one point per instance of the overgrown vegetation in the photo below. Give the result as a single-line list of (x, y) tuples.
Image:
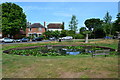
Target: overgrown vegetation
[(55, 51)]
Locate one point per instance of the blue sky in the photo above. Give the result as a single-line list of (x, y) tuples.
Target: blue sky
[(38, 12)]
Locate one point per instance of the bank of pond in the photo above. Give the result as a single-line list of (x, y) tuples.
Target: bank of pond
[(57, 50)]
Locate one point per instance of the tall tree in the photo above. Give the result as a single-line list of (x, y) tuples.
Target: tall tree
[(73, 23), (107, 18), (13, 19), (93, 23), (116, 25), (107, 26)]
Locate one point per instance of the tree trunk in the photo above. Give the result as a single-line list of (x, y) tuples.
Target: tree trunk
[(86, 38)]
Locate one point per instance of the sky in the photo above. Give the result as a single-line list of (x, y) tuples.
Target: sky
[(38, 12)]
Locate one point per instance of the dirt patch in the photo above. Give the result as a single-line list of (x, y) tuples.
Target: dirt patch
[(70, 74)]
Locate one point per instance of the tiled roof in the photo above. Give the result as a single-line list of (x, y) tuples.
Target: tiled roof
[(54, 26), (36, 25)]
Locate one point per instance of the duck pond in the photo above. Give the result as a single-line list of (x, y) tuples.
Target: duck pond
[(55, 51)]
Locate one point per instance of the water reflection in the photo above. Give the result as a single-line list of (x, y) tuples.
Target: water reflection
[(65, 51), (73, 53)]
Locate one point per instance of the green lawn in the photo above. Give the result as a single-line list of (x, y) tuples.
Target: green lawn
[(79, 66)]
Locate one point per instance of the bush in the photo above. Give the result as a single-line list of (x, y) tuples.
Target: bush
[(79, 36)]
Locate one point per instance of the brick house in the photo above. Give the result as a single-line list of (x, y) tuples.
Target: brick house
[(55, 26), (35, 30)]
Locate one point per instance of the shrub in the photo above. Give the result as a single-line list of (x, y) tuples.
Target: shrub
[(79, 36)]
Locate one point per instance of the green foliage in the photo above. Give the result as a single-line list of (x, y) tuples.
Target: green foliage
[(74, 47), (56, 34), (93, 23), (99, 33), (116, 25), (107, 25), (13, 19), (82, 29), (31, 37), (49, 34), (36, 52), (63, 33), (73, 23), (79, 36), (107, 18), (42, 36)]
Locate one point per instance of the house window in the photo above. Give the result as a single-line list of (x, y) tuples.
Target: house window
[(30, 29), (40, 29)]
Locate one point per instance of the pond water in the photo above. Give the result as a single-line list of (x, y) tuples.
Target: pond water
[(55, 51), (69, 50)]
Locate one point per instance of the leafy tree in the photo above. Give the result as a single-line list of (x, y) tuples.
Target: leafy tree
[(56, 34), (93, 23), (48, 34), (63, 33), (79, 36), (82, 29), (99, 33), (107, 26), (116, 25), (73, 23), (107, 18), (13, 19)]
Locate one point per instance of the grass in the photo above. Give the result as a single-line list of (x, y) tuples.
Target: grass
[(106, 43), (79, 66), (59, 67)]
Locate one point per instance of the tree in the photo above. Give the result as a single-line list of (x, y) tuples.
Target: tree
[(56, 34), (63, 33), (107, 18), (99, 32), (82, 29), (63, 26), (116, 25), (87, 32), (73, 23), (93, 23), (13, 19), (48, 34), (107, 26)]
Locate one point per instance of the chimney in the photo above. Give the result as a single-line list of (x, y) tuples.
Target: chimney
[(44, 24)]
